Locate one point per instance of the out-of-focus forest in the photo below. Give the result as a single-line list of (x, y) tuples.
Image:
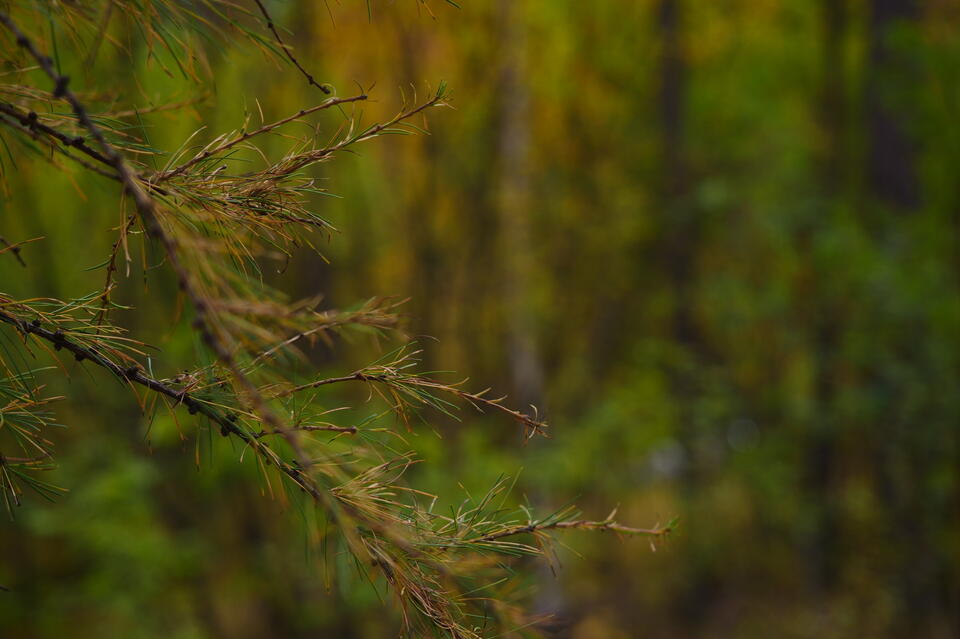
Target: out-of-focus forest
[(715, 243)]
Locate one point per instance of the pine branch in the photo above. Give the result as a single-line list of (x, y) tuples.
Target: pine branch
[(62, 150), (31, 121), (229, 144), (353, 430), (133, 374), (199, 219), (606, 525), (377, 129), (226, 420), (148, 214), (391, 376)]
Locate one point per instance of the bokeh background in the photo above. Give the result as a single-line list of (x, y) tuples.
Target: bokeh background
[(716, 243)]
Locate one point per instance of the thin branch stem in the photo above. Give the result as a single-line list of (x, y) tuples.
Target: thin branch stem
[(476, 399), (13, 248), (353, 377), (111, 269), (229, 144), (606, 525), (132, 374), (135, 375), (31, 120), (62, 150), (287, 51), (353, 430), (375, 130)]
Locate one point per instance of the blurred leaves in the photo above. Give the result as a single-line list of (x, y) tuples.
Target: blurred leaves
[(802, 423)]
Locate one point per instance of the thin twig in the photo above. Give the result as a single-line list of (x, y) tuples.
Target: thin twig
[(368, 316), (13, 248), (436, 100), (62, 150), (111, 269), (133, 373), (229, 144), (172, 106), (353, 377), (286, 49), (353, 430), (31, 120), (607, 525), (476, 399)]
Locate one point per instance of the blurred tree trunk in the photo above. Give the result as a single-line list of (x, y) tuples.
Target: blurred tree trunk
[(426, 249), (682, 244), (905, 458), (821, 431), (891, 166), (681, 229), (671, 101), (514, 205)]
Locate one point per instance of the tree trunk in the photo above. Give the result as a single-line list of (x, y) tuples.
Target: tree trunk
[(821, 434), (891, 166), (514, 205)]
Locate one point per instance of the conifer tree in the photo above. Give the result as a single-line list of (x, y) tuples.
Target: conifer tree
[(215, 222)]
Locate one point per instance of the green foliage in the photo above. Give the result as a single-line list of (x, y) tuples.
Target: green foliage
[(702, 282)]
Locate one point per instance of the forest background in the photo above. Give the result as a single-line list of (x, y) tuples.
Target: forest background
[(715, 242)]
